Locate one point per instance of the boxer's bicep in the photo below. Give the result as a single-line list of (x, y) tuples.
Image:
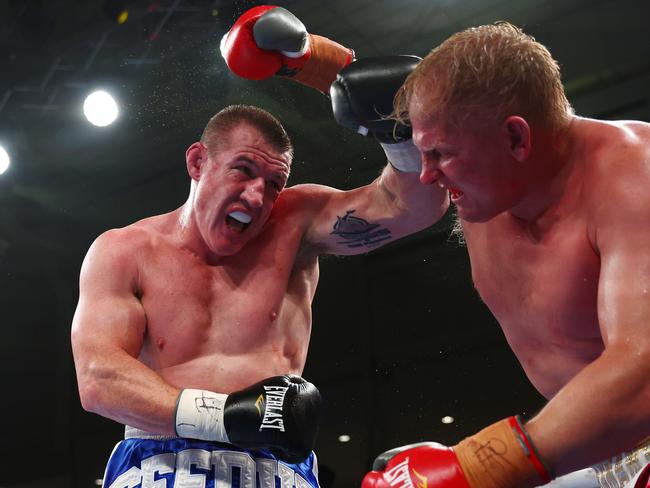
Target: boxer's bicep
[(109, 321), (350, 222), (357, 221), (107, 336), (623, 242)]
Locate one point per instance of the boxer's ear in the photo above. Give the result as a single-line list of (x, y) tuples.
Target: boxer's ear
[(195, 157), (517, 133)]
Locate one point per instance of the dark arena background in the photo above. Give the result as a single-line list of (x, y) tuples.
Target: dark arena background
[(402, 349)]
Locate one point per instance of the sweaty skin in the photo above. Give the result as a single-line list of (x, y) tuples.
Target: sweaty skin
[(559, 242), (189, 300)]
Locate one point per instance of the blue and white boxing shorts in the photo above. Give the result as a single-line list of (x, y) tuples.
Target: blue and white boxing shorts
[(145, 460)]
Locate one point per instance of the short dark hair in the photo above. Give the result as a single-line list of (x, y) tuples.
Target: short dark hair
[(224, 121)]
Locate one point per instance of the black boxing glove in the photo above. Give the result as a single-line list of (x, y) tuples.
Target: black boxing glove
[(279, 414), (362, 99)]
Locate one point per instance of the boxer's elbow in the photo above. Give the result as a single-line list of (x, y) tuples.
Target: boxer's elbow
[(423, 205), (93, 382), (627, 366), (427, 209), (88, 397)]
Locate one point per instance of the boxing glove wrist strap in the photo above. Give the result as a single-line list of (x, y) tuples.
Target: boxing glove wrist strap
[(326, 59), (529, 449), (501, 456), (403, 156), (199, 415)]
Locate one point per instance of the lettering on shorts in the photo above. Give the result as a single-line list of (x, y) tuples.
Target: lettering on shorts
[(358, 232), (198, 468), (273, 408)]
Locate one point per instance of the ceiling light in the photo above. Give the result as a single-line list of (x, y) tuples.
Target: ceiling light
[(344, 438), (100, 108), (4, 160), (447, 419)]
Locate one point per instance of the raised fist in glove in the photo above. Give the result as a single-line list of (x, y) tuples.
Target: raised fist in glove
[(269, 40), (279, 414), (500, 456), (362, 99)]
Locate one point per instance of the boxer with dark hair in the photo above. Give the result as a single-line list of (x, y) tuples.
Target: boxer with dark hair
[(193, 326)]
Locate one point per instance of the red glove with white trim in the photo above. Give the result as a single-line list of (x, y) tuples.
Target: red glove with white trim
[(269, 40), (499, 456)]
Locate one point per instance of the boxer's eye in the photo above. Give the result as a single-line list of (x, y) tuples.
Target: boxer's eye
[(245, 169)]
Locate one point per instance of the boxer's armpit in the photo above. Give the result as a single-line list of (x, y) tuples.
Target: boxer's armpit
[(355, 232)]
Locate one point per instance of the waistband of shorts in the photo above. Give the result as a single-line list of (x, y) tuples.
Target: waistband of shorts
[(133, 433), (620, 469)]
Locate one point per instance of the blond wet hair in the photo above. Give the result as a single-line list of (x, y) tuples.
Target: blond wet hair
[(488, 73)]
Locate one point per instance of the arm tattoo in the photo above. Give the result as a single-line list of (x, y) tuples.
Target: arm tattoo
[(358, 232)]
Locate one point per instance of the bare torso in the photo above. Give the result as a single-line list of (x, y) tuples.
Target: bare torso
[(542, 290), (541, 281), (223, 327)]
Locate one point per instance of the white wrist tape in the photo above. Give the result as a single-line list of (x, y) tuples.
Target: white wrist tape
[(403, 156), (199, 415)]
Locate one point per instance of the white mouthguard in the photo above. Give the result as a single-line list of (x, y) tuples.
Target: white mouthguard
[(240, 217)]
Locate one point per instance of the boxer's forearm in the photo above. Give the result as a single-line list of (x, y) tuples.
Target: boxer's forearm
[(418, 205), (600, 413), (117, 386)]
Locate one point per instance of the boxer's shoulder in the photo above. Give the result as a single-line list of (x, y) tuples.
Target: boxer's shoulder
[(127, 239), (127, 245), (302, 203), (614, 146), (311, 195), (614, 175)]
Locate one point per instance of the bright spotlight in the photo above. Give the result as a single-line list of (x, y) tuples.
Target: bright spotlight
[(4, 160), (100, 108)]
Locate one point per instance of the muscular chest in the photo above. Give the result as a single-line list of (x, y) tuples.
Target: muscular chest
[(235, 305), (538, 286)]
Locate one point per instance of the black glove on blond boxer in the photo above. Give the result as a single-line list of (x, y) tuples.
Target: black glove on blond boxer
[(280, 414), (362, 99)]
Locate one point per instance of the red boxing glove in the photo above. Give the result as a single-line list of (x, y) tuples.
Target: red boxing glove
[(269, 40), (500, 456), (427, 464)]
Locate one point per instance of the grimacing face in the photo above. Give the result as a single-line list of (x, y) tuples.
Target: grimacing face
[(473, 163), (237, 189)]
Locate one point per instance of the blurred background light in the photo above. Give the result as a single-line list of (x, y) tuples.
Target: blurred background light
[(100, 108), (4, 160)]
